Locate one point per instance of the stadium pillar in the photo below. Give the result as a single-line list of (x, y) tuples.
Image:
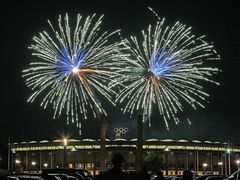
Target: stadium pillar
[(139, 142), (103, 127), (9, 153)]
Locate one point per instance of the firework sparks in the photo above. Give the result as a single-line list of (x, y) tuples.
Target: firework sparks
[(72, 66), (165, 68)]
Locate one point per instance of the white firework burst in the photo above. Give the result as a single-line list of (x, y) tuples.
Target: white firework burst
[(166, 67), (71, 66)]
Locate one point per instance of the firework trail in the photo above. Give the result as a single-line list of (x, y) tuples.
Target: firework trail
[(72, 66), (166, 67)]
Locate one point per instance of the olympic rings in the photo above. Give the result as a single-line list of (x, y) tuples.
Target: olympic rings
[(120, 130)]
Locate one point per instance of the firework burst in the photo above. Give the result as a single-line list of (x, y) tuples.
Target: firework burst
[(165, 68), (71, 66)]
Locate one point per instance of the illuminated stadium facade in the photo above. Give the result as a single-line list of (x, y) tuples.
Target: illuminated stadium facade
[(175, 155)]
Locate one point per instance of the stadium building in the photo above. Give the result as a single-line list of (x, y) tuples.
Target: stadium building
[(173, 155)]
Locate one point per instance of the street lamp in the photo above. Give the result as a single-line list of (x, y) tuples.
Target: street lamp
[(34, 164), (17, 161), (220, 164), (12, 157), (204, 167), (238, 164), (229, 161), (65, 143), (45, 165)]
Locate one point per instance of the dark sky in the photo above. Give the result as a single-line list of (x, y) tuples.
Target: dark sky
[(20, 21)]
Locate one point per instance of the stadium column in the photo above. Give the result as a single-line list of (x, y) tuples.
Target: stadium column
[(9, 153), (139, 142), (103, 128), (26, 160), (40, 160)]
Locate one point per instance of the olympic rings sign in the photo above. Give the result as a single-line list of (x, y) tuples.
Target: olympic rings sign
[(120, 130)]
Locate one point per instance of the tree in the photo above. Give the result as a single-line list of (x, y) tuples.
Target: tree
[(152, 161)]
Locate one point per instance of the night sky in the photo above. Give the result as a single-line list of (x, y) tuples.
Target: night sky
[(20, 21)]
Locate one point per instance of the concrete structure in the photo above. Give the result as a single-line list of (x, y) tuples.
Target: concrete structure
[(175, 155), (139, 146)]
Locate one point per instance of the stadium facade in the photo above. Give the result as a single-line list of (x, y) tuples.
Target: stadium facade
[(174, 155)]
